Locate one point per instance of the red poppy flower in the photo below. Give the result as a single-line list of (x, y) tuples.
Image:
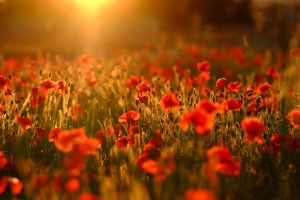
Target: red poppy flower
[(3, 185), (16, 186), (199, 194), (48, 84), (291, 143), (220, 160), (37, 96), (294, 118), (66, 140), (275, 142), (73, 164), (254, 128), (129, 117), (203, 66), (75, 111), (263, 87), (40, 181), (24, 122), (142, 97), (234, 104), (3, 160), (41, 132), (234, 87), (169, 101), (87, 146), (72, 185), (221, 83), (4, 84), (125, 142), (143, 87), (53, 134), (133, 81), (87, 196), (200, 120), (272, 73), (62, 87)]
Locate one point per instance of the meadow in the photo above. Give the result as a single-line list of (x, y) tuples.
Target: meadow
[(182, 121)]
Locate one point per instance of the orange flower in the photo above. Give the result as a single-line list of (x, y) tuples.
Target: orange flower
[(254, 127), (294, 118), (234, 104), (48, 84), (264, 87), (234, 87), (143, 87), (41, 132), (73, 164), (202, 118), (87, 196), (88, 146), (132, 81), (203, 66), (76, 111), (72, 185), (220, 160), (66, 140), (3, 160), (169, 101), (199, 194), (129, 117), (221, 83), (24, 122), (53, 134)]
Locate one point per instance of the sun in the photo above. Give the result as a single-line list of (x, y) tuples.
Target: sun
[(92, 5)]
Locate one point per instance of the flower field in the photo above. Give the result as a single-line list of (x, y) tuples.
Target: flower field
[(182, 121)]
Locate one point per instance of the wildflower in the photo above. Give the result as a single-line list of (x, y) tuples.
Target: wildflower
[(125, 142), (203, 66), (75, 111), (73, 164), (133, 81), (53, 134), (66, 140), (254, 128), (142, 97), (143, 87), (48, 84), (37, 96), (234, 87), (263, 87), (129, 117), (234, 104), (16, 186), (87, 146), (199, 194), (272, 73), (72, 185), (291, 143), (24, 122), (222, 161), (294, 118), (61, 87), (275, 142), (40, 181), (4, 84), (41, 132), (221, 83), (202, 118), (87, 196), (3, 160), (169, 101)]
